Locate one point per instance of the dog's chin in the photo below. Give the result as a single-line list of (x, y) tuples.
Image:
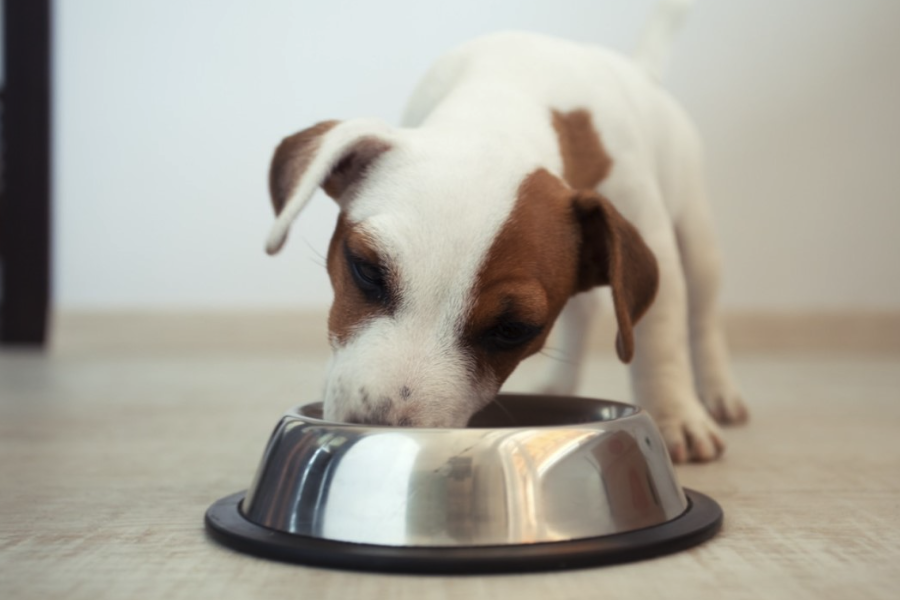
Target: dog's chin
[(447, 412)]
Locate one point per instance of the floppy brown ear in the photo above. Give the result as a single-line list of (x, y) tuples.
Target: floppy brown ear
[(291, 159), (613, 253), (332, 154)]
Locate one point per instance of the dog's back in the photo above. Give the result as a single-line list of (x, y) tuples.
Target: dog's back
[(509, 82)]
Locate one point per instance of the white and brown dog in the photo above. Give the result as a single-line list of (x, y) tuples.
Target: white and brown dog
[(529, 170)]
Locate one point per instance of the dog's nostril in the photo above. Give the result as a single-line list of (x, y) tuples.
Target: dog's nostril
[(405, 393)]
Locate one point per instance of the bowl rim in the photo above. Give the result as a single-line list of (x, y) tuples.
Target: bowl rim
[(630, 411)]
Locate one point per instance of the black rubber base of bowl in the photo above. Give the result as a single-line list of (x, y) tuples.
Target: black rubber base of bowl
[(701, 521)]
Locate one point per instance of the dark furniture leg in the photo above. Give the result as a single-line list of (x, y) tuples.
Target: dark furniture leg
[(25, 198)]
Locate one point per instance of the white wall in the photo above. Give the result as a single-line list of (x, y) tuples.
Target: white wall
[(167, 113)]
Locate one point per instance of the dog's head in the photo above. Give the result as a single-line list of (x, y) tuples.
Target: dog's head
[(452, 257)]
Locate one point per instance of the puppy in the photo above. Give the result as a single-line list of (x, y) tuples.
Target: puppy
[(529, 171)]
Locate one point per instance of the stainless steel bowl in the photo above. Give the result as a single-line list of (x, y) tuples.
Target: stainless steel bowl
[(530, 472)]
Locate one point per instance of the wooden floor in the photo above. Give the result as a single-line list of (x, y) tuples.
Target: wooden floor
[(113, 446)]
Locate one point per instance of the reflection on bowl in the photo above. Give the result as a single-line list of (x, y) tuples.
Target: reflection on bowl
[(529, 469)]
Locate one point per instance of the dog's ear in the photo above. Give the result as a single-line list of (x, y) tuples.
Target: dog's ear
[(331, 154), (613, 253)]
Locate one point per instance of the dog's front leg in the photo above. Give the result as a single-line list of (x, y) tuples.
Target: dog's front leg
[(701, 262), (661, 371)]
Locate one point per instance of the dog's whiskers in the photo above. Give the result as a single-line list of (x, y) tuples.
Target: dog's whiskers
[(560, 355), (319, 259), (505, 410)]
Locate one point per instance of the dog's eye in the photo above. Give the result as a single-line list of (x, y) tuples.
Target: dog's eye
[(369, 278), (508, 335), (367, 274)]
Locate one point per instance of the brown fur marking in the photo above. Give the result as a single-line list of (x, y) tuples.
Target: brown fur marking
[(585, 161), (528, 274), (613, 253), (349, 308), (352, 167), (291, 159), (295, 153)]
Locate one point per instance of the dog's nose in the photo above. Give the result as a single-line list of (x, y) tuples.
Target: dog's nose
[(382, 410), (378, 419)]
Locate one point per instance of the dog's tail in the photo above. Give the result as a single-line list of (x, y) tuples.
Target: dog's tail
[(659, 33)]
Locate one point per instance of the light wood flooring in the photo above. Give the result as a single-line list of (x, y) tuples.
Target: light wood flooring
[(113, 445)]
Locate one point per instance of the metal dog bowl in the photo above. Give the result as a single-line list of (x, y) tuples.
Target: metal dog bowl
[(534, 482)]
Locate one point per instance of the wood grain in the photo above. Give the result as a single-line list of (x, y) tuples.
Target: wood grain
[(112, 452)]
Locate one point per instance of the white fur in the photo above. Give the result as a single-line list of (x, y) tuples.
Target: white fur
[(478, 124)]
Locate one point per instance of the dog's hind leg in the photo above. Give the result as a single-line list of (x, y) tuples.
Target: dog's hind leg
[(562, 374), (701, 264)]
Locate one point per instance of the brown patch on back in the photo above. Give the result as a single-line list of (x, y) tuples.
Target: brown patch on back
[(585, 161), (349, 308), (291, 159), (528, 274)]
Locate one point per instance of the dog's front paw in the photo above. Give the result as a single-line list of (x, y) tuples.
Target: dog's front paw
[(691, 435), (724, 403)]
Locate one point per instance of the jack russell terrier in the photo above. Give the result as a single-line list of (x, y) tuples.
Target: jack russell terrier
[(529, 171)]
